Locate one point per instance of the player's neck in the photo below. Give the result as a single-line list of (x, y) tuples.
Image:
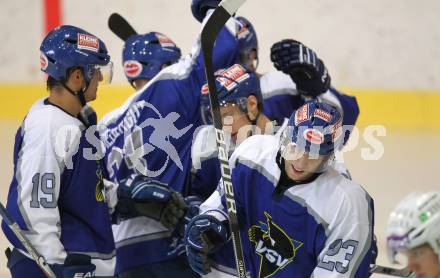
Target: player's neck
[(66, 101)]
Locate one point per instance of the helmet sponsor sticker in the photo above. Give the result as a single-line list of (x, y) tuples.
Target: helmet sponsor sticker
[(302, 114), (231, 76), (132, 68), (165, 41), (88, 42), (205, 89), (314, 136), (336, 130), (243, 33), (323, 115), (44, 62)]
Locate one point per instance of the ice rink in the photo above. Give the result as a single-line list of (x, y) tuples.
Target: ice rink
[(410, 162), (385, 53)]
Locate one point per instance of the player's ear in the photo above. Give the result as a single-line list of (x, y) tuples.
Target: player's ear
[(75, 78), (252, 106)]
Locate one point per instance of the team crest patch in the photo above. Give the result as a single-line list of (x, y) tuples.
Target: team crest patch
[(88, 42), (314, 136), (302, 114), (165, 41), (44, 62), (231, 76), (132, 68), (323, 115), (273, 245)]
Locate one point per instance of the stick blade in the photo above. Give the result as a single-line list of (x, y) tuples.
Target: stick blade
[(120, 26)]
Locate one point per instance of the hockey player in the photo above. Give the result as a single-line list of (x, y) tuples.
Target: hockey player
[(414, 230), (298, 217), (55, 194), (151, 135), (145, 55)]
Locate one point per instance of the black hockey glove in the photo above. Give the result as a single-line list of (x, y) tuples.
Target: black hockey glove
[(141, 196), (303, 65)]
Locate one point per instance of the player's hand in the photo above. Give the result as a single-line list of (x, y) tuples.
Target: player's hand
[(141, 196), (204, 235), (144, 189), (174, 211), (303, 65), (200, 7), (193, 207), (75, 265)]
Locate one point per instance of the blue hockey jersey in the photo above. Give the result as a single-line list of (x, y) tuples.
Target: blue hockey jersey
[(56, 191), (152, 134), (323, 228)]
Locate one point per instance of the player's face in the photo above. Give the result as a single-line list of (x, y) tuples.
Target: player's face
[(424, 262), (300, 165), (90, 93), (235, 122)]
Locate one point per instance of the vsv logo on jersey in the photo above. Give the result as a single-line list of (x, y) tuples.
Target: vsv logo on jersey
[(273, 245)]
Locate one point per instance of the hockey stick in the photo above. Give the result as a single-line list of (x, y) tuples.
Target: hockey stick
[(120, 27), (41, 262), (403, 272), (218, 18)]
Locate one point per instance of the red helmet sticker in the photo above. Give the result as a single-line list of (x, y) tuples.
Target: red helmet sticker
[(336, 130), (43, 61), (165, 41), (323, 115), (231, 76), (243, 32), (314, 136), (88, 42), (132, 68), (205, 89), (302, 114)]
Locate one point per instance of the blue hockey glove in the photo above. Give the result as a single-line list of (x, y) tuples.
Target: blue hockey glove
[(193, 207), (200, 7), (75, 265), (141, 196), (204, 235), (144, 189), (303, 65)]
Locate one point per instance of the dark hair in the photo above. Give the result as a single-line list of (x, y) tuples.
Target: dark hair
[(260, 107), (51, 82)]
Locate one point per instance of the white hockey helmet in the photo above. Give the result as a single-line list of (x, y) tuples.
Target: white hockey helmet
[(413, 222)]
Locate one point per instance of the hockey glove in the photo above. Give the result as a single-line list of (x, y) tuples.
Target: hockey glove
[(200, 7), (204, 235), (174, 211), (303, 65), (193, 204), (141, 196), (75, 265)]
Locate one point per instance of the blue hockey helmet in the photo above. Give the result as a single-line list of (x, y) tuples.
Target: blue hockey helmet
[(234, 85), (315, 127), (144, 55), (200, 7), (247, 40), (66, 47)]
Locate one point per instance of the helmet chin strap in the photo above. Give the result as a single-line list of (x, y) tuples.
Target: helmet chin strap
[(80, 94)]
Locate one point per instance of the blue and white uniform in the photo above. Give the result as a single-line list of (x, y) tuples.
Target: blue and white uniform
[(321, 228), (159, 122), (56, 192)]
